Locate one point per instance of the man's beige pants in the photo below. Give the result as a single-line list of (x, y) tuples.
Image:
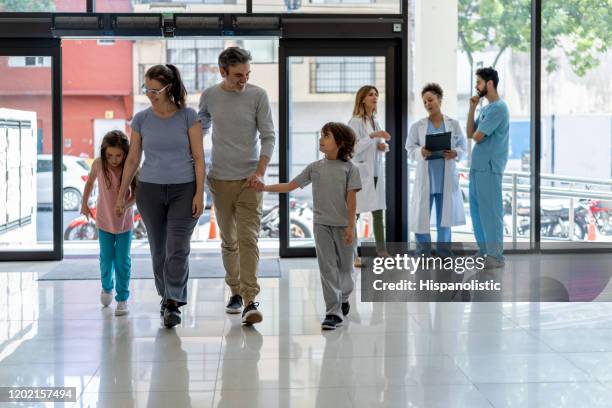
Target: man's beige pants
[(239, 217)]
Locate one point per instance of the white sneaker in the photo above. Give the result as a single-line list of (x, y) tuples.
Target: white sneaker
[(122, 309), (493, 263), (106, 298)]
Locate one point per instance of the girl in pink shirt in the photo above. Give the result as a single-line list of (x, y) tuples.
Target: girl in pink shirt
[(114, 232)]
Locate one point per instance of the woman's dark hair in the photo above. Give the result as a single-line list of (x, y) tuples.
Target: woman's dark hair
[(118, 139), (488, 74), (344, 137), (169, 75), (434, 89), (233, 56)]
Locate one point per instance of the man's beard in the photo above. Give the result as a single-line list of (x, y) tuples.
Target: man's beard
[(482, 94)]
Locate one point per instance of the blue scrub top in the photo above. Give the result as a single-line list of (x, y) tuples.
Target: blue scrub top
[(436, 166), (491, 154)]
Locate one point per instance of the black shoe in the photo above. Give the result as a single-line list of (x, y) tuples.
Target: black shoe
[(346, 307), (331, 322), (234, 305), (250, 314), (172, 316), (162, 308)]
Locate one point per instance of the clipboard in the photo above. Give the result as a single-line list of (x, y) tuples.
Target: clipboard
[(437, 143)]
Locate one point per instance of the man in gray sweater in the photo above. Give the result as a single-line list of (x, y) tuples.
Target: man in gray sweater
[(237, 112)]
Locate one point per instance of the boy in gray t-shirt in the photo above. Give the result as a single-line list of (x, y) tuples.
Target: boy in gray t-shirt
[(335, 182)]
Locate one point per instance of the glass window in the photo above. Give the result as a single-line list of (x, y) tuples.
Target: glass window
[(197, 62), (576, 193), (29, 61), (327, 6), (341, 74), (263, 52), (475, 35), (110, 105), (44, 166), (44, 5), (26, 178), (188, 6)]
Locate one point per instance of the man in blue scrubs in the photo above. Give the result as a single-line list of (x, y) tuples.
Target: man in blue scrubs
[(491, 134)]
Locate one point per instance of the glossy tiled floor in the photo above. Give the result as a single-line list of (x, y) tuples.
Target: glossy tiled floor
[(388, 355)]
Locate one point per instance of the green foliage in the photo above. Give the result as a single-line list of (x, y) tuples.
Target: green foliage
[(582, 29)]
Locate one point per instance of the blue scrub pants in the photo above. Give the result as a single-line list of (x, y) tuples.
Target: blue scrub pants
[(444, 233), (115, 256), (487, 212)]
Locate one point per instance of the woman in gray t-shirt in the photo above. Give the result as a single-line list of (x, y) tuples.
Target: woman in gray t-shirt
[(170, 191)]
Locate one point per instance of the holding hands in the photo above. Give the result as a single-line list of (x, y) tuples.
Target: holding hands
[(255, 181), (120, 207)]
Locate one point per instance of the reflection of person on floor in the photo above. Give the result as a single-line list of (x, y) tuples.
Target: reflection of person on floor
[(370, 149), (336, 368), (489, 157), (436, 180), (114, 232), (335, 183), (169, 340), (243, 344), (115, 374), (237, 111)]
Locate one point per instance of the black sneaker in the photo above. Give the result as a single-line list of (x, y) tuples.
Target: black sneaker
[(346, 307), (250, 314), (172, 316), (162, 308), (331, 322), (234, 305)]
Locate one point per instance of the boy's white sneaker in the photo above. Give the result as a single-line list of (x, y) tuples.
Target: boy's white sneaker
[(106, 298), (122, 309)]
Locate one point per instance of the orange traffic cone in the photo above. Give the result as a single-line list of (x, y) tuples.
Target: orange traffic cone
[(591, 229), (366, 227), (212, 232)]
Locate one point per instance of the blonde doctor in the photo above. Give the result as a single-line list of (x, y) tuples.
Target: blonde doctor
[(369, 157), (436, 180)]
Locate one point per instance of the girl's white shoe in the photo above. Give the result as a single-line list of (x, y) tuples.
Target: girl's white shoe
[(122, 309), (106, 298)]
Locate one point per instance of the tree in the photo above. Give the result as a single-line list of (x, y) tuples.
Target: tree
[(27, 5), (580, 28)]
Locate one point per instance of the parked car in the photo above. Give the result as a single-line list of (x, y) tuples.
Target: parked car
[(75, 173)]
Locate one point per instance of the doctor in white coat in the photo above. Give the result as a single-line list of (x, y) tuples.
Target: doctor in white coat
[(369, 157), (436, 180)]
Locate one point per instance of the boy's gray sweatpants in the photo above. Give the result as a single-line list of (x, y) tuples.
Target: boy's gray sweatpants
[(166, 212), (335, 265)]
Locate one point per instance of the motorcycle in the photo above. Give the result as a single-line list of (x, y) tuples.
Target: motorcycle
[(82, 228), (602, 212), (300, 218), (554, 220)]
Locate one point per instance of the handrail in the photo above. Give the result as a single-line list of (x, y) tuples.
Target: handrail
[(546, 191)]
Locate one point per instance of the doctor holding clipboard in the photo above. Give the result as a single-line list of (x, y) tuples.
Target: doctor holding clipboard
[(436, 180)]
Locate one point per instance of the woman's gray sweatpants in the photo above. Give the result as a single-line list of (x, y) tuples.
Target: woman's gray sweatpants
[(335, 265), (166, 212)]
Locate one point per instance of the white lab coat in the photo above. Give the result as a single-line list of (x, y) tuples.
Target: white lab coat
[(370, 197), (452, 203)]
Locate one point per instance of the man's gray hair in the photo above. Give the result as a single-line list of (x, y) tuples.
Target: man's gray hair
[(233, 56)]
